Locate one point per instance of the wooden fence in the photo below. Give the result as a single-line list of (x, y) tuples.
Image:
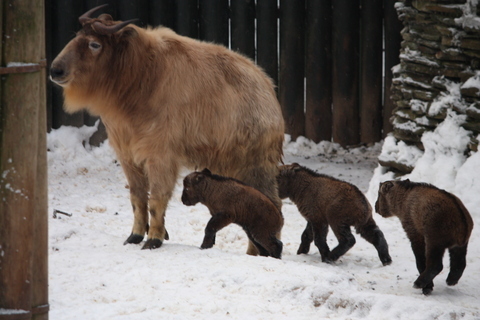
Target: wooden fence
[(330, 59)]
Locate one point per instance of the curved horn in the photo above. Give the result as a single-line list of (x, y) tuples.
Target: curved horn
[(102, 29), (86, 16)]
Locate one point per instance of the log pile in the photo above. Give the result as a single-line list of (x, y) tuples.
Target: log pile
[(439, 71)]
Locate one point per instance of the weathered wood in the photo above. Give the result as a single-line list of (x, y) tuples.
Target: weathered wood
[(371, 77), (318, 71), (64, 27), (267, 31), (129, 9), (292, 65), (160, 13), (345, 72), (23, 276), (243, 27), (393, 26), (187, 18), (214, 21)]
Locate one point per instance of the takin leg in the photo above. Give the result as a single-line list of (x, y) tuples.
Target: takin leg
[(217, 222), (320, 231), (458, 262), (434, 265), (138, 184), (264, 180), (346, 240), (272, 246), (374, 235), (162, 181), (307, 238)]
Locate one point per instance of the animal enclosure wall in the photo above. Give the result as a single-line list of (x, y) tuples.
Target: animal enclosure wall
[(330, 59)]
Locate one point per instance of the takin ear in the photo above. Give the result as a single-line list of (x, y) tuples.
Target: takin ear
[(206, 172), (296, 167), (105, 17), (128, 32), (385, 186)]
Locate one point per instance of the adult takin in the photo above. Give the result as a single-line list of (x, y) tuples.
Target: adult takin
[(231, 201), (434, 220), (168, 102), (325, 201)]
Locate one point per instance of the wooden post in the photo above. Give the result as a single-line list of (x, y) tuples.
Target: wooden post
[(371, 71), (345, 72), (318, 71), (243, 27), (292, 65), (267, 32), (187, 18), (23, 184), (214, 21), (393, 39)]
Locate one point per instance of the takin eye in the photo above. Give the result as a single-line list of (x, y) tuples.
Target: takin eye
[(94, 46)]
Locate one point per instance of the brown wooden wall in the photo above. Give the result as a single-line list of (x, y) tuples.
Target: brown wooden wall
[(331, 59)]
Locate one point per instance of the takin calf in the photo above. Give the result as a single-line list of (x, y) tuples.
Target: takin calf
[(325, 201), (231, 201), (434, 220)]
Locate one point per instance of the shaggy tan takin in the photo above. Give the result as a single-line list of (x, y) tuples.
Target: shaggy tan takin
[(231, 201), (434, 220), (325, 201), (168, 102)]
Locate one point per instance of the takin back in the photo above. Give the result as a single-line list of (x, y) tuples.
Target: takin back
[(434, 220), (325, 201), (231, 201), (168, 102)]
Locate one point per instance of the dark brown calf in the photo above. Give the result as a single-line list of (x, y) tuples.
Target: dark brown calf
[(325, 201), (231, 201), (434, 220)]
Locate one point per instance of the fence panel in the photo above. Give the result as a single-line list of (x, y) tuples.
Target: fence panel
[(292, 61), (326, 57), (318, 71)]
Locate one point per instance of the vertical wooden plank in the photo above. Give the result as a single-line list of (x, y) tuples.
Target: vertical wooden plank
[(318, 71), (393, 39), (64, 26), (214, 21), (267, 35), (19, 110), (292, 65), (243, 27), (371, 63), (345, 72), (133, 9), (161, 13), (187, 18), (49, 55)]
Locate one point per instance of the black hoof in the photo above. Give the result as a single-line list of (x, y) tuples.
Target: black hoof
[(303, 250), (427, 291), (152, 244), (167, 237), (134, 238), (386, 261)]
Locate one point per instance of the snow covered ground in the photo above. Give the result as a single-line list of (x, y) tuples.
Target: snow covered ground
[(94, 276)]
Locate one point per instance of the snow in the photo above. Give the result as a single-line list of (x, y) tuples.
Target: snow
[(92, 275)]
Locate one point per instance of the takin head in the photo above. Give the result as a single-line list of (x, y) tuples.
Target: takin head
[(85, 63), (192, 186)]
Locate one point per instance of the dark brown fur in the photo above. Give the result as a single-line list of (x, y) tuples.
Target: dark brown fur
[(231, 201), (434, 220), (325, 201), (168, 102)]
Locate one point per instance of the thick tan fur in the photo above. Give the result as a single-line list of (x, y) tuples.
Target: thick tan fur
[(168, 102)]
